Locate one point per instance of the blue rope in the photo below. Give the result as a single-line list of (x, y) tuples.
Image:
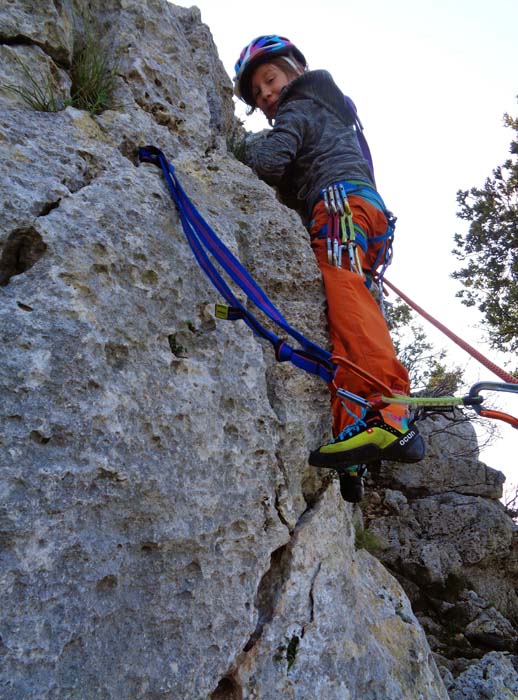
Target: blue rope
[(202, 239)]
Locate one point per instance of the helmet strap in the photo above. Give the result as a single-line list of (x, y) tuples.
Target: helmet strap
[(292, 64)]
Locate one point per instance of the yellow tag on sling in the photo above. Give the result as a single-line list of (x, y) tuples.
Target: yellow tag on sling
[(221, 311)]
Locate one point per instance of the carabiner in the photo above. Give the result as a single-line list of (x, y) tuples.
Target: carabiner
[(475, 401), (337, 191)]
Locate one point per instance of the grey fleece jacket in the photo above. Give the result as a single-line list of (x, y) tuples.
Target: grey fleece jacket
[(312, 143)]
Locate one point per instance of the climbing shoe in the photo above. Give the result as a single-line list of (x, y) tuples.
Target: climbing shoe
[(351, 482), (375, 435)]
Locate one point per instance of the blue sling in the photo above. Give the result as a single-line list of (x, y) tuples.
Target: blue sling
[(203, 241)]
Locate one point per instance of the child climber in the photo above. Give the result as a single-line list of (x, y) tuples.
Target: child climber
[(312, 153)]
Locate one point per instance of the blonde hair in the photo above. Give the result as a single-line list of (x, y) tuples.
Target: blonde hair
[(289, 66)]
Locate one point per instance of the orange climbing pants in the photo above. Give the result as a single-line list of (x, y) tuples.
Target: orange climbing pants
[(357, 328)]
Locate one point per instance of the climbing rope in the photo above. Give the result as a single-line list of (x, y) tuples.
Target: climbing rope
[(501, 373)]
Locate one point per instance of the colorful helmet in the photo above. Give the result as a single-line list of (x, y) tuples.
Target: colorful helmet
[(259, 51)]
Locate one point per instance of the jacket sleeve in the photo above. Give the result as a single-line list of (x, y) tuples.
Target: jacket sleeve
[(272, 156)]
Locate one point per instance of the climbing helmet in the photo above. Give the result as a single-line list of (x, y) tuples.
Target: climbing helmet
[(258, 51)]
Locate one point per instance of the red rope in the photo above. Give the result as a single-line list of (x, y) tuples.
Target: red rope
[(498, 415), (505, 376)]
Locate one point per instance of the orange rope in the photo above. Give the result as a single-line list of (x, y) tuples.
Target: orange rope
[(505, 376), (498, 415)]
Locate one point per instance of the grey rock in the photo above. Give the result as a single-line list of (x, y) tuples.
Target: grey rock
[(29, 69), (47, 25), (451, 544), (162, 534), (492, 678), (446, 533), (313, 646), (396, 501), (451, 463), (486, 624)]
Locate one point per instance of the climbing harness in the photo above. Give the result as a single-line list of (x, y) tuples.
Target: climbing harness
[(308, 356), (344, 237)]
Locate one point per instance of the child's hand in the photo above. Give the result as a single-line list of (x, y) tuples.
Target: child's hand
[(244, 149)]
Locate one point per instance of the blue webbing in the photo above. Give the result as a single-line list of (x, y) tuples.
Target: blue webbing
[(202, 239)]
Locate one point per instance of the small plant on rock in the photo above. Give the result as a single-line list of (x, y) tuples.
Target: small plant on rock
[(93, 76), (365, 539), (93, 80), (39, 93)]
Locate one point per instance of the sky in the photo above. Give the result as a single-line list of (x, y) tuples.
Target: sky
[(431, 80)]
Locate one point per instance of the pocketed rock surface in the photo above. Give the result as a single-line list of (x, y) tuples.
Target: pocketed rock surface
[(162, 535)]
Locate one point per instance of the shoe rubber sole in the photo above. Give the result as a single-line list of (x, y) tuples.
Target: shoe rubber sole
[(409, 448)]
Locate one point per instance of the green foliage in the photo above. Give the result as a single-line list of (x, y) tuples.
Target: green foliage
[(237, 146), (291, 650), (176, 347), (92, 75), (288, 651), (40, 93), (489, 250), (365, 539)]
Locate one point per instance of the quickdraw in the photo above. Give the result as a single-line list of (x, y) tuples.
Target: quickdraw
[(472, 400), (436, 403), (341, 235), (490, 413), (345, 239)]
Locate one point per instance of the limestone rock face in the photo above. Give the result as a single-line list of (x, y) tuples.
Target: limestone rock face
[(312, 639), (162, 535), (451, 463), (494, 677), (448, 539)]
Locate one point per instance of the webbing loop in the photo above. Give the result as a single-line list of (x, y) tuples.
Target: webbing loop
[(204, 242)]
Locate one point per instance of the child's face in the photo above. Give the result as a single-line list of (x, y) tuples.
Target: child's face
[(267, 83)]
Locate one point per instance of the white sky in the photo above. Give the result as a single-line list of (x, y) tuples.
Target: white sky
[(431, 80)]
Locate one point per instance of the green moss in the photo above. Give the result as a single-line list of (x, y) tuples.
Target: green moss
[(176, 348), (365, 539), (287, 651)]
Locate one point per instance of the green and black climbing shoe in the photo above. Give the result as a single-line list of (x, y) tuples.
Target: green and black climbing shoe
[(376, 435), (351, 482)]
